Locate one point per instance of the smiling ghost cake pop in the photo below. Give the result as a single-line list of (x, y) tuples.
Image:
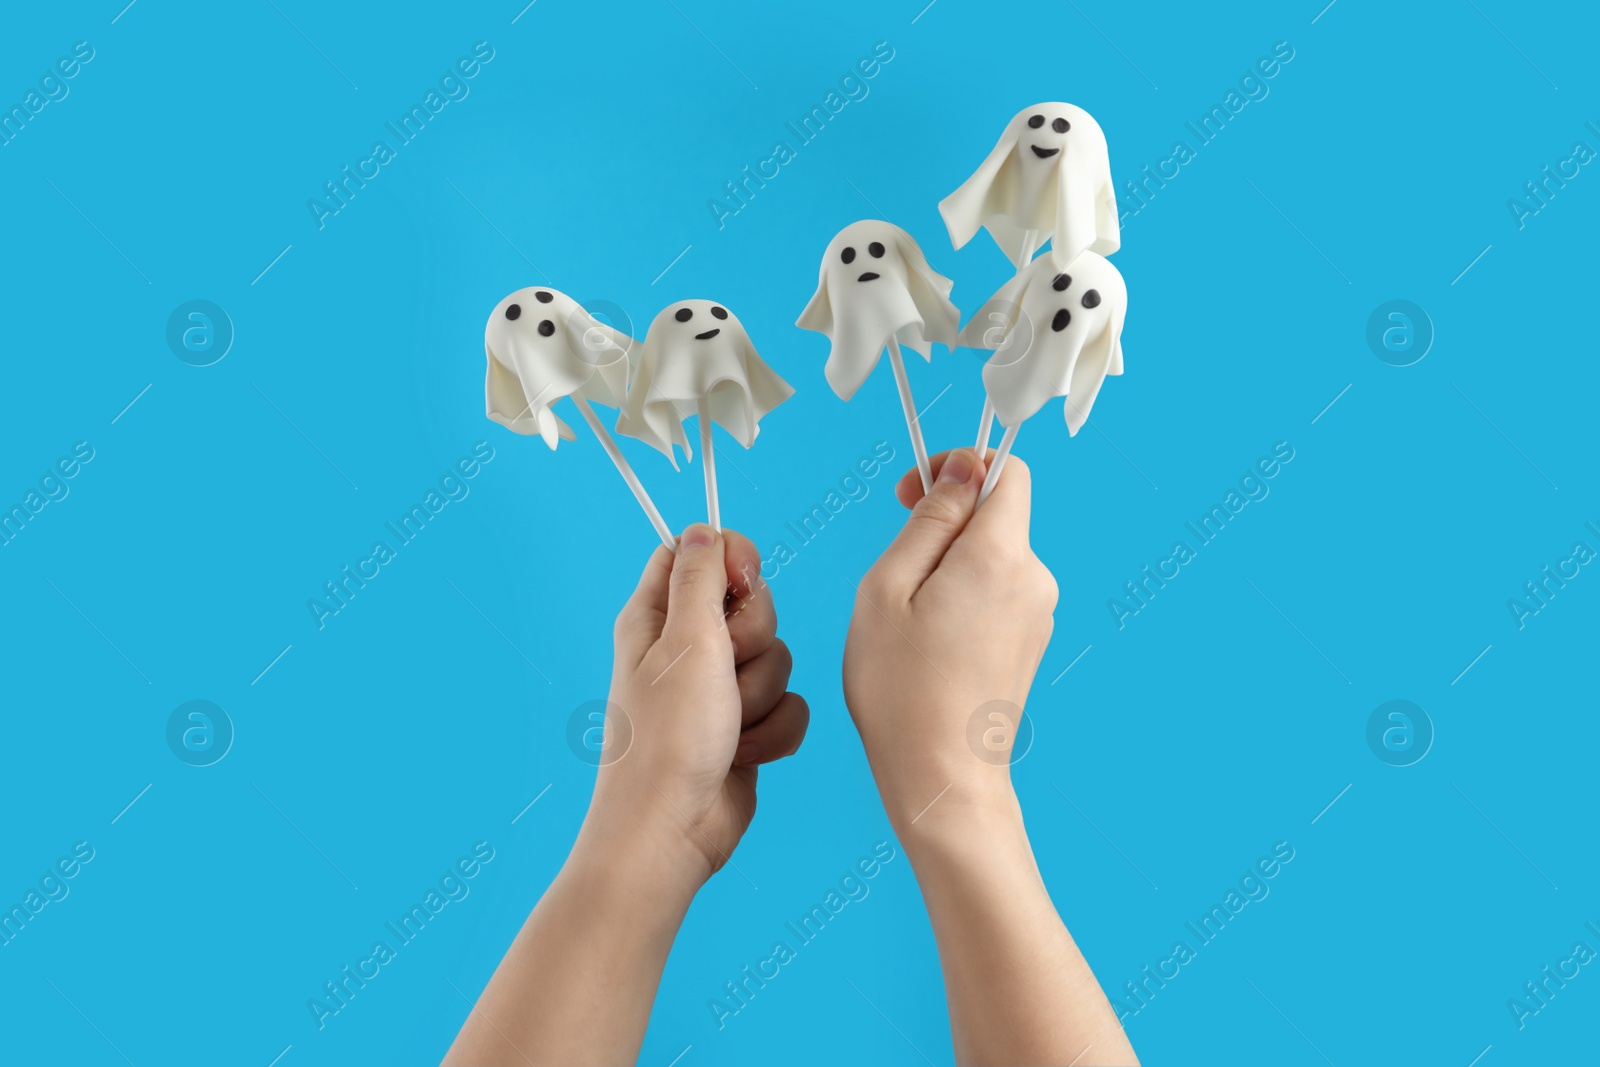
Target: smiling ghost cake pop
[(698, 360), (543, 345), (1054, 333), (876, 290), (1049, 175)]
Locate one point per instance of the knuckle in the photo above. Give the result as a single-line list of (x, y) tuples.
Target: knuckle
[(782, 657), (1045, 583), (875, 586), (938, 509), (626, 624), (1006, 566), (685, 572)]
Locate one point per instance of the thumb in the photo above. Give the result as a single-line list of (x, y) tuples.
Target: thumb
[(698, 587), (935, 523)]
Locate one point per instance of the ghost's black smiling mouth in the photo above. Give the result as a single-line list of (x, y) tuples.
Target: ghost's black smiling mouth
[(1044, 153), (708, 334), (868, 276)]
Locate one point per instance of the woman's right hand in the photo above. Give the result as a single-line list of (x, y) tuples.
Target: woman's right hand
[(949, 627)]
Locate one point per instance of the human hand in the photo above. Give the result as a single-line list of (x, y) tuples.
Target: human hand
[(954, 615), (701, 681)]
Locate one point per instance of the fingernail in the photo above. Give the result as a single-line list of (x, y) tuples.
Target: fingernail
[(957, 467), (698, 535), (746, 753)]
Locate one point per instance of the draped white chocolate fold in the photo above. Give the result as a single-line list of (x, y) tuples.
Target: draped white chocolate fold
[(875, 290), (1051, 173), (697, 360), (1054, 333), (541, 346)]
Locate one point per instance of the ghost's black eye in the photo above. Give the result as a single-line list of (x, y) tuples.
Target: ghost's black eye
[(513, 311), (848, 255), (719, 313), (1059, 323), (876, 249), (1091, 299), (543, 297), (1061, 125), (684, 314), (546, 328), (1036, 121), (1061, 282)]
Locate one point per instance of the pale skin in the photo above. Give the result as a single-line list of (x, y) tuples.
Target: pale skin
[(703, 679), (956, 614)]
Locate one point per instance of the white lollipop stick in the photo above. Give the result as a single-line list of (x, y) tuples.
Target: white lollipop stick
[(626, 471), (709, 461), (912, 422), (985, 424), (1030, 243), (1000, 455)]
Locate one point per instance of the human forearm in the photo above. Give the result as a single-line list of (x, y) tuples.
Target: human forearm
[(1018, 988), (691, 690), (577, 985), (949, 627)]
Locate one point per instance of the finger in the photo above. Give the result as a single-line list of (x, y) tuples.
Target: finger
[(776, 736), (752, 619), (908, 490), (640, 621), (998, 532), (762, 681), (697, 587), (935, 523)]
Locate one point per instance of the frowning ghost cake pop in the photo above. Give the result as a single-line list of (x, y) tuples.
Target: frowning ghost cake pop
[(876, 290), (698, 360), (542, 345), (1049, 176), (1054, 333)]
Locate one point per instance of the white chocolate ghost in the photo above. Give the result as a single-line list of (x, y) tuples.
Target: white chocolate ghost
[(1051, 173), (542, 345), (1054, 333), (875, 284), (697, 350)]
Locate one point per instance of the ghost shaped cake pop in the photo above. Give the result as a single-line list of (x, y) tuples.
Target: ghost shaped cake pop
[(1054, 333), (698, 360), (543, 345), (1050, 175), (876, 290)]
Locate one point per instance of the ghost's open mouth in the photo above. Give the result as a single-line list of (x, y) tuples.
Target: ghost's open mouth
[(868, 276), (1044, 153), (708, 334)]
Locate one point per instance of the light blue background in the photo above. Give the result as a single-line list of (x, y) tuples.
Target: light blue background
[(1222, 719)]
